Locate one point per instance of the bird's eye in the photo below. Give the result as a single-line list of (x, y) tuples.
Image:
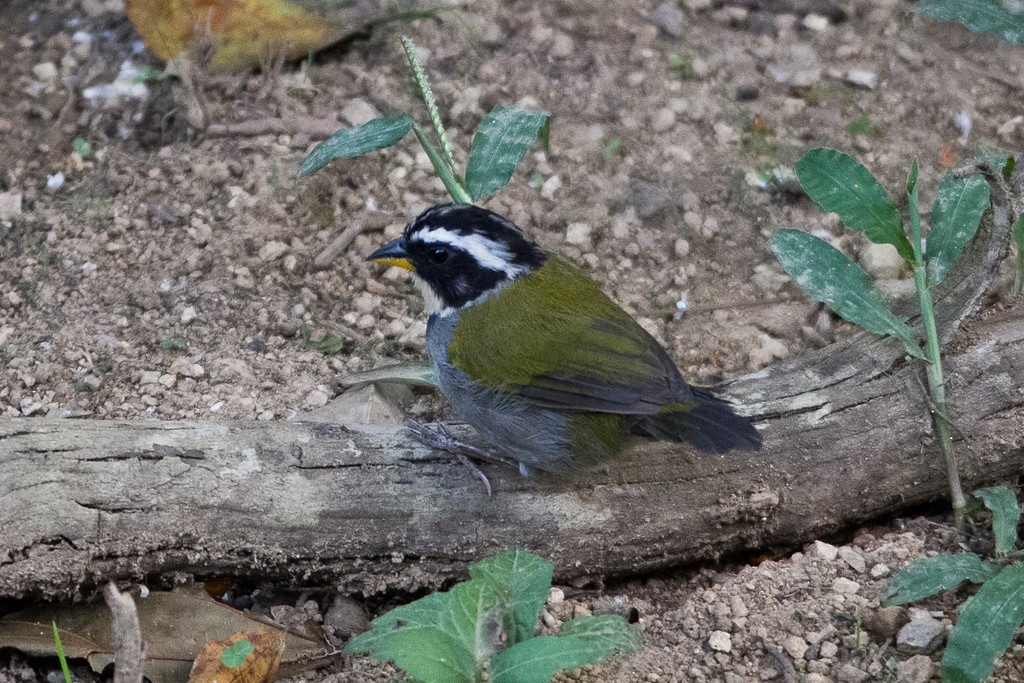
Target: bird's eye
[(438, 255)]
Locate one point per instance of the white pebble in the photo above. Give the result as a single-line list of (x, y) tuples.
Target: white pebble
[(720, 641)]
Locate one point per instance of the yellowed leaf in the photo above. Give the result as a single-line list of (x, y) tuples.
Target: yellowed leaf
[(240, 33), (222, 661)]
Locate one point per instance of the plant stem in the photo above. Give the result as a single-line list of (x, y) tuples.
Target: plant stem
[(936, 388), (1018, 277), (428, 99), (444, 172)]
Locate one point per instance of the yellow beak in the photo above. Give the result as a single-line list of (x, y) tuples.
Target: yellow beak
[(393, 254)]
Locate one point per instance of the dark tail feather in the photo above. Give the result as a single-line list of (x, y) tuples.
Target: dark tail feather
[(711, 425)]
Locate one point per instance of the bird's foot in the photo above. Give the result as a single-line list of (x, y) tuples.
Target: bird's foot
[(438, 437)]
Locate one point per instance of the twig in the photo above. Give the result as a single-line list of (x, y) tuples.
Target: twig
[(788, 672), (325, 258), (315, 128), (128, 646)]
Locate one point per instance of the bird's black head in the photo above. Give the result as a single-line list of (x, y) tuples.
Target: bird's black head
[(459, 252)]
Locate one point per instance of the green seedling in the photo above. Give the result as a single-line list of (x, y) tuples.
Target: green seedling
[(489, 623), (499, 144), (838, 183), (173, 344), (860, 125), (329, 345), (987, 621), (81, 147)]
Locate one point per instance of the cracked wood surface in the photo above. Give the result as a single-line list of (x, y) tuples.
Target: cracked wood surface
[(366, 509)]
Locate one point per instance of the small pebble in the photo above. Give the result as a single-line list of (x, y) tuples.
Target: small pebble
[(917, 669), (795, 646), (845, 585), (853, 558), (825, 551), (720, 641), (579, 234), (271, 251), (862, 77), (45, 72)]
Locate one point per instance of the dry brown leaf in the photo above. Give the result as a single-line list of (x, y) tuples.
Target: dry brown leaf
[(947, 156), (223, 661)]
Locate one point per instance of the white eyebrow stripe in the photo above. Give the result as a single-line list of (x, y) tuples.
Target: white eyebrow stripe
[(488, 253)]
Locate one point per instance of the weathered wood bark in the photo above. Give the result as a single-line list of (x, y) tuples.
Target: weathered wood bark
[(846, 435)]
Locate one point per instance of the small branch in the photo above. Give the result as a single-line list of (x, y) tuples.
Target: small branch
[(339, 244), (129, 652), (315, 128)]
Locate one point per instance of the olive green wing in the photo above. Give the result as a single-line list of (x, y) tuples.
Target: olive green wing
[(554, 339)]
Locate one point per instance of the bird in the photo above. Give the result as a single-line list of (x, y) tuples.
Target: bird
[(531, 353)]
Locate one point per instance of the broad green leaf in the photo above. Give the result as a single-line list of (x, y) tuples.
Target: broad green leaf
[(523, 580), (351, 142), (830, 276), (838, 182), (981, 16), (1018, 232), (985, 627), (1005, 515), (956, 213), (420, 640), (585, 640), (932, 575), (500, 143)]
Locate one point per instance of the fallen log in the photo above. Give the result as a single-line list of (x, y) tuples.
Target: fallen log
[(365, 509)]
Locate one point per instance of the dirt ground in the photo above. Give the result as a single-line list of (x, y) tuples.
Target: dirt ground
[(172, 273)]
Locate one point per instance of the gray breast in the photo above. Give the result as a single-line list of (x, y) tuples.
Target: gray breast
[(533, 436)]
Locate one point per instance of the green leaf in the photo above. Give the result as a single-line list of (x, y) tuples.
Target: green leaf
[(420, 640), (981, 16), (585, 640), (523, 580), (500, 143), (234, 655), (1018, 232), (956, 213), (838, 182), (1005, 515), (985, 627), (830, 276), (351, 142), (931, 575)]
